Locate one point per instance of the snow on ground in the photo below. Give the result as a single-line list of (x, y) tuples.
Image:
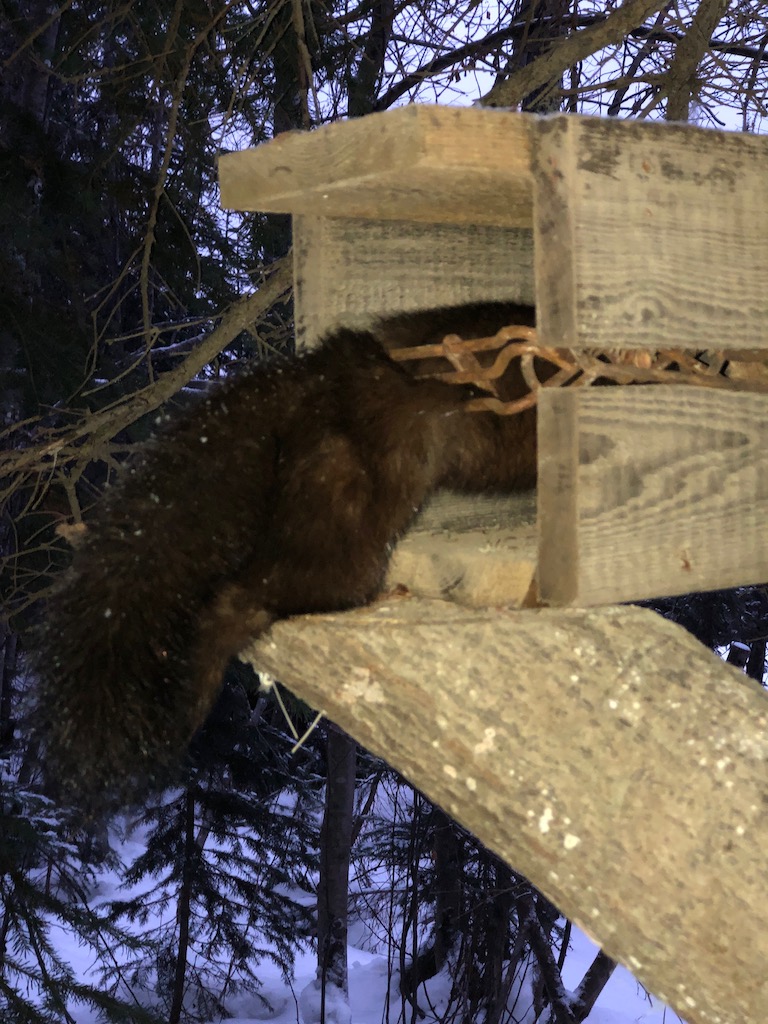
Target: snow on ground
[(371, 987), (622, 1001)]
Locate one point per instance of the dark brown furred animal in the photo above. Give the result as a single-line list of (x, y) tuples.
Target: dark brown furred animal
[(281, 494)]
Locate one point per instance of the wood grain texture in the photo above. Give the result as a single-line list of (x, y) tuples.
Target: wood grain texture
[(646, 492), (348, 271), (423, 163), (476, 550), (650, 235), (605, 755)]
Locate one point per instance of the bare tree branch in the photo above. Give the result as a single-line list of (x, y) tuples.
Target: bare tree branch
[(103, 425), (493, 41), (681, 77), (634, 67), (474, 49), (570, 51)]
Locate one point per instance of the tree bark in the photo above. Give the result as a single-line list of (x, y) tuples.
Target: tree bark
[(335, 846), (571, 50), (184, 911), (681, 87)]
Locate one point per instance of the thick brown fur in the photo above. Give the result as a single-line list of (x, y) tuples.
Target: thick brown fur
[(282, 494)]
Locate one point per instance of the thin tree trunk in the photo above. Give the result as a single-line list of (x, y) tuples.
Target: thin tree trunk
[(8, 652), (548, 21), (191, 853), (335, 847), (447, 886)]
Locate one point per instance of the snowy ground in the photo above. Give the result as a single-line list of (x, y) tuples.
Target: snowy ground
[(621, 1002)]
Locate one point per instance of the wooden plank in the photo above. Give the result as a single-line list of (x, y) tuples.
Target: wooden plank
[(605, 755), (476, 550), (422, 163), (349, 271), (650, 235), (650, 491)]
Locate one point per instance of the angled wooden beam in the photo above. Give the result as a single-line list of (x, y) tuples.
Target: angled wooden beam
[(606, 755)]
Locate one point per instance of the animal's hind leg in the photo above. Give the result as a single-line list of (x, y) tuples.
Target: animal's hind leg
[(232, 618)]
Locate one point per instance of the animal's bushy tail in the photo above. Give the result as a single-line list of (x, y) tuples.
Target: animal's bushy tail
[(127, 669), (134, 641), (112, 677)]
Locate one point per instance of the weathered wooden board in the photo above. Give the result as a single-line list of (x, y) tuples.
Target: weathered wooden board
[(645, 235), (348, 271), (639, 234), (650, 491), (650, 235), (423, 163), (605, 755), (476, 550)]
